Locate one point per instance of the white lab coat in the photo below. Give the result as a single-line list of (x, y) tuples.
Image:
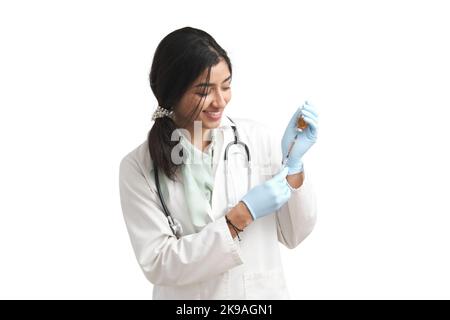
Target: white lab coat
[(211, 264)]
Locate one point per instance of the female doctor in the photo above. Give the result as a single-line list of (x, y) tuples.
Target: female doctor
[(203, 227)]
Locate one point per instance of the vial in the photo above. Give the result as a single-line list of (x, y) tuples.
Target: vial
[(301, 123)]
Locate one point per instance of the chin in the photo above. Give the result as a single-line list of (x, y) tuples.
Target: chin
[(210, 125)]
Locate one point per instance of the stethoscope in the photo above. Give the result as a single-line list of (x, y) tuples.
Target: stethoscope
[(174, 224)]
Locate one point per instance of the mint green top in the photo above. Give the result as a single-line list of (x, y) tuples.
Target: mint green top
[(198, 181)]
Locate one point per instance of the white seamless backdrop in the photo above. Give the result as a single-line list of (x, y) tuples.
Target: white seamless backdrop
[(75, 98)]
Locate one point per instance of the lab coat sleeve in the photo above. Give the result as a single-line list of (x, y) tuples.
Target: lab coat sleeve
[(296, 218), (165, 260)]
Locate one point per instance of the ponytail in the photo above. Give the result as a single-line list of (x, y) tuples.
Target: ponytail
[(160, 146)]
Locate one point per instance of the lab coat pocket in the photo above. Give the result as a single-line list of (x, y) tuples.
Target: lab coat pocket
[(265, 285), (215, 288), (188, 292)]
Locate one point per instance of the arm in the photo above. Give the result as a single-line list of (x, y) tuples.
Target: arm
[(164, 259), (296, 219)]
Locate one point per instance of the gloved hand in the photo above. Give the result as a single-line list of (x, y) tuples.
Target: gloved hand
[(305, 139), (268, 196)]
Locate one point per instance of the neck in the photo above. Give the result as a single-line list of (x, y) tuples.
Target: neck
[(200, 138)]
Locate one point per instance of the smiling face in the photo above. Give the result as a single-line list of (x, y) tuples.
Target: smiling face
[(213, 99)]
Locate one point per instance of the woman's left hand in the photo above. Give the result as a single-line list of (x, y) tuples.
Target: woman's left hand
[(304, 140)]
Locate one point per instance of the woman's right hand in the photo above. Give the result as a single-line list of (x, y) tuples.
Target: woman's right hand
[(268, 196)]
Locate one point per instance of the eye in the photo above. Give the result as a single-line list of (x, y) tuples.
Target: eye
[(201, 94)]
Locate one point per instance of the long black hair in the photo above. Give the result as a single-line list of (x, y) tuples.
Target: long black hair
[(180, 58)]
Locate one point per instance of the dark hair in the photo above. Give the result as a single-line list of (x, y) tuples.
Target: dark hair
[(179, 59)]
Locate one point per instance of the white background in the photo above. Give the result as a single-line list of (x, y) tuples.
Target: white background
[(75, 98)]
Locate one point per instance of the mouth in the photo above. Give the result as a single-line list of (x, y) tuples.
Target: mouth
[(213, 115)]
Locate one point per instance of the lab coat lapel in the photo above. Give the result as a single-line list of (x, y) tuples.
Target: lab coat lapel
[(219, 200)]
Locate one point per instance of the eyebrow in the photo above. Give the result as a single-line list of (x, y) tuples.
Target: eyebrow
[(204, 84)]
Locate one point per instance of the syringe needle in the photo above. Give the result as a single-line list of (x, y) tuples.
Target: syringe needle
[(289, 150)]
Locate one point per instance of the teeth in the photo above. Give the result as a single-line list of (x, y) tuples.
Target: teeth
[(213, 113)]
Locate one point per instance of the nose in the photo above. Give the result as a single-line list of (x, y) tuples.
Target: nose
[(219, 99)]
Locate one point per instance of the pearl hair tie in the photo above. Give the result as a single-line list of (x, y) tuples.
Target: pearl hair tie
[(161, 112)]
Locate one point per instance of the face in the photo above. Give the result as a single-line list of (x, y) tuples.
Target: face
[(215, 99)]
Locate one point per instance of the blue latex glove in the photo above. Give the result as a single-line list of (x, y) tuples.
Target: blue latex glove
[(303, 139), (268, 196)]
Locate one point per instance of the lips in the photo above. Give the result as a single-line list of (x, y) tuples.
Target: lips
[(213, 115)]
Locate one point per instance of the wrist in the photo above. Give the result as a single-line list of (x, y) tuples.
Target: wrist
[(295, 181), (240, 216)]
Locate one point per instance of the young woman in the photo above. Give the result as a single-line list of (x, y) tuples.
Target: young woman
[(206, 199)]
